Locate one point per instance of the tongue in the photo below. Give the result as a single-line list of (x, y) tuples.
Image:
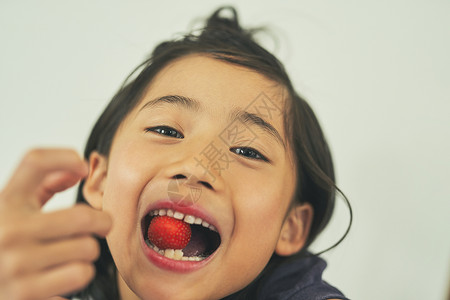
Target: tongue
[(197, 245)]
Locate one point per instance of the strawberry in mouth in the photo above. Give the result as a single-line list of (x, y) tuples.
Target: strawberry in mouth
[(178, 236), (169, 233)]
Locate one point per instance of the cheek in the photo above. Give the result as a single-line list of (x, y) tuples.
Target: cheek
[(260, 209), (261, 219), (130, 168), (264, 197), (123, 180), (257, 227), (127, 175)]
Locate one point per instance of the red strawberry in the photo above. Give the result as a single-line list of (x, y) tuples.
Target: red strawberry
[(169, 233)]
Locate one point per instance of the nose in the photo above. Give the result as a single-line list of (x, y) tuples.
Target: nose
[(194, 172), (190, 176), (192, 180)]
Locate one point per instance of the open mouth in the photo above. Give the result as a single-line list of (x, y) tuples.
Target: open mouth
[(203, 239)]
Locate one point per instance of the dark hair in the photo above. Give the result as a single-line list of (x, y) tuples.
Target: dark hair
[(224, 39)]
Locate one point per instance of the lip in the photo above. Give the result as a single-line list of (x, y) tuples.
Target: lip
[(167, 263), (173, 265), (191, 209)]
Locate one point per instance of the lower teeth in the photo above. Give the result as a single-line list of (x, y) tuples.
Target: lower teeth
[(174, 254)]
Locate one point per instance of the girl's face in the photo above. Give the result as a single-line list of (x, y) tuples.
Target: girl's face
[(206, 140)]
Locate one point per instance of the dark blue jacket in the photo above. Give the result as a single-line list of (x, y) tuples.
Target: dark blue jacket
[(299, 280)]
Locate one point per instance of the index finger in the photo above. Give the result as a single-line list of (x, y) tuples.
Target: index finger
[(22, 188)]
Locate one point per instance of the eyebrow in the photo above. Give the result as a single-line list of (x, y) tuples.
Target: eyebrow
[(243, 116), (249, 118), (176, 100)]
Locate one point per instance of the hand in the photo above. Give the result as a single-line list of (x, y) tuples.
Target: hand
[(46, 254)]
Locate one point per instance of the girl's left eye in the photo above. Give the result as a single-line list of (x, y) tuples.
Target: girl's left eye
[(249, 153), (165, 130)]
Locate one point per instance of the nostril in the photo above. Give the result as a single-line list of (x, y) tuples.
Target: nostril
[(206, 184), (193, 180)]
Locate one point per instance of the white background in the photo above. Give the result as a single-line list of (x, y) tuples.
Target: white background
[(376, 72)]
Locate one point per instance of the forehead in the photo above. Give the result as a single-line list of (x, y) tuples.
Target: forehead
[(219, 86)]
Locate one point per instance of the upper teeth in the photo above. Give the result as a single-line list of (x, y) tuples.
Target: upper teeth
[(180, 216)]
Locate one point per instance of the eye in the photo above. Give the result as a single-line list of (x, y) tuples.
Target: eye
[(165, 130), (249, 153)]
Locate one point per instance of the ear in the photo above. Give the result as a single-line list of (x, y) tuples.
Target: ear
[(295, 230), (93, 187)]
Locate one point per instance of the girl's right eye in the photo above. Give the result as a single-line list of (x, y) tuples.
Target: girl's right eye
[(165, 130)]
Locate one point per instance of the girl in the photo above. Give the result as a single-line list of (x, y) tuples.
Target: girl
[(213, 170)]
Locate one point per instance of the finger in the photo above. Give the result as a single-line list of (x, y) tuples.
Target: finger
[(44, 227), (62, 280), (35, 166), (34, 258), (56, 182), (57, 298), (78, 220)]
